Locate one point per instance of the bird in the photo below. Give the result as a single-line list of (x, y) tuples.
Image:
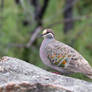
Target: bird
[(62, 57)]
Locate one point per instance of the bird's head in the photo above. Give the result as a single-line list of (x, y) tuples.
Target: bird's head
[(48, 33)]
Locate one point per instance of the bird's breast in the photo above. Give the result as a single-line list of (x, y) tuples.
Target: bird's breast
[(43, 53)]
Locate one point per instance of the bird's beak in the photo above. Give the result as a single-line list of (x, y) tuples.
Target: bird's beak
[(41, 35)]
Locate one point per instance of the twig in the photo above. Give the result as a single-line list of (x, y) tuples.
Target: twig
[(38, 29), (34, 36), (39, 18), (68, 20), (17, 45), (60, 12)]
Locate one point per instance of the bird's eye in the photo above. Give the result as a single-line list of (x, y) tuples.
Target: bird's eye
[(47, 32)]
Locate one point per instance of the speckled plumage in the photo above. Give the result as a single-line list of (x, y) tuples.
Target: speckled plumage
[(62, 57)]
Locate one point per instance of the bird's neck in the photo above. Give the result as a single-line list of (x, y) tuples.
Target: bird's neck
[(49, 39), (46, 41)]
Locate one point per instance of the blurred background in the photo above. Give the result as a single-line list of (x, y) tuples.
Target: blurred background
[(21, 21)]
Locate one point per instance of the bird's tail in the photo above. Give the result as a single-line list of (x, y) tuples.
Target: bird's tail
[(89, 76), (87, 71)]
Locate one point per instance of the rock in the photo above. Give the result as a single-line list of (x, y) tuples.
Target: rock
[(19, 76)]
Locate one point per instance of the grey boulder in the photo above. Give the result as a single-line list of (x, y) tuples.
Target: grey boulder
[(19, 76)]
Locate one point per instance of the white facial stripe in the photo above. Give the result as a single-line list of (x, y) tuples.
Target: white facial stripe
[(45, 31), (49, 34)]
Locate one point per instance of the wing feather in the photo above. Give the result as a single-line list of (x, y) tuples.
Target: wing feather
[(62, 55), (58, 54)]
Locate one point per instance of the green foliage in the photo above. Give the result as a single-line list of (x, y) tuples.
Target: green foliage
[(13, 31)]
